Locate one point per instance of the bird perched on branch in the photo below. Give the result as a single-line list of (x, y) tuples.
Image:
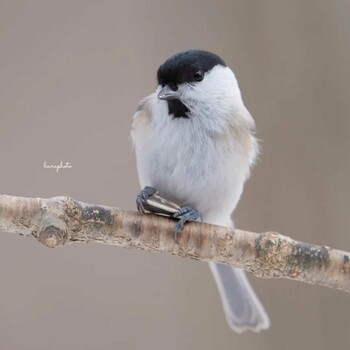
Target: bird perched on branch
[(195, 145)]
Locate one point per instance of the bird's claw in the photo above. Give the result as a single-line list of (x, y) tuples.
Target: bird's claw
[(142, 197), (184, 214)]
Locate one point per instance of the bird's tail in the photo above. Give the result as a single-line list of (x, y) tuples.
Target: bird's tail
[(242, 307)]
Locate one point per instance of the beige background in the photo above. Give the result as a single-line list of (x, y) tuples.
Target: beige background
[(71, 74)]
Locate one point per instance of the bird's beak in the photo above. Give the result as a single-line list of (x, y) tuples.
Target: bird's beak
[(167, 93)]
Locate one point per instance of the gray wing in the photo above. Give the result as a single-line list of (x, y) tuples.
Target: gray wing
[(141, 120), (140, 135)]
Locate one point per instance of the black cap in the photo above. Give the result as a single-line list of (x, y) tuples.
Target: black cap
[(182, 66)]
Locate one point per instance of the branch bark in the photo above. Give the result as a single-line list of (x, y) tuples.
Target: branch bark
[(60, 220)]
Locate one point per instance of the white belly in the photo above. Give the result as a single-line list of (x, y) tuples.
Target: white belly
[(193, 169)]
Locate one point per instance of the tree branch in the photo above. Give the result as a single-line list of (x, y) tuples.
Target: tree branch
[(60, 220)]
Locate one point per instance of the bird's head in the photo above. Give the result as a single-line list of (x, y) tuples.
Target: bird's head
[(196, 84)]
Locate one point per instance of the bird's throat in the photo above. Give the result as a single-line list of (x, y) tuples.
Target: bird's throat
[(177, 109)]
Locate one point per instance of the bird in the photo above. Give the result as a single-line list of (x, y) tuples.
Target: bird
[(195, 145)]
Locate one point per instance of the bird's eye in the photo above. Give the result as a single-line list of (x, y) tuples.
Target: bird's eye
[(198, 76)]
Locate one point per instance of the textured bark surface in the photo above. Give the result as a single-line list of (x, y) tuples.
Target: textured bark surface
[(61, 220)]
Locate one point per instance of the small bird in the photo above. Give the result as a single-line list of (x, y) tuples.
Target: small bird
[(195, 145)]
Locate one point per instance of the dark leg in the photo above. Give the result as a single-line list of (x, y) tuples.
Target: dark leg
[(184, 214)]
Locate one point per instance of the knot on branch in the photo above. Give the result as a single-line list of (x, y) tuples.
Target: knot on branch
[(271, 250), (73, 213), (52, 237)]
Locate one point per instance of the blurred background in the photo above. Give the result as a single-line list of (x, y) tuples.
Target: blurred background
[(71, 75)]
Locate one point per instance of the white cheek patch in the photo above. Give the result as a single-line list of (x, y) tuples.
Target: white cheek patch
[(218, 84), (217, 94)]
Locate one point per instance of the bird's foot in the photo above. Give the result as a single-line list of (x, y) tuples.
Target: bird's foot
[(142, 197), (158, 205), (184, 214)]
